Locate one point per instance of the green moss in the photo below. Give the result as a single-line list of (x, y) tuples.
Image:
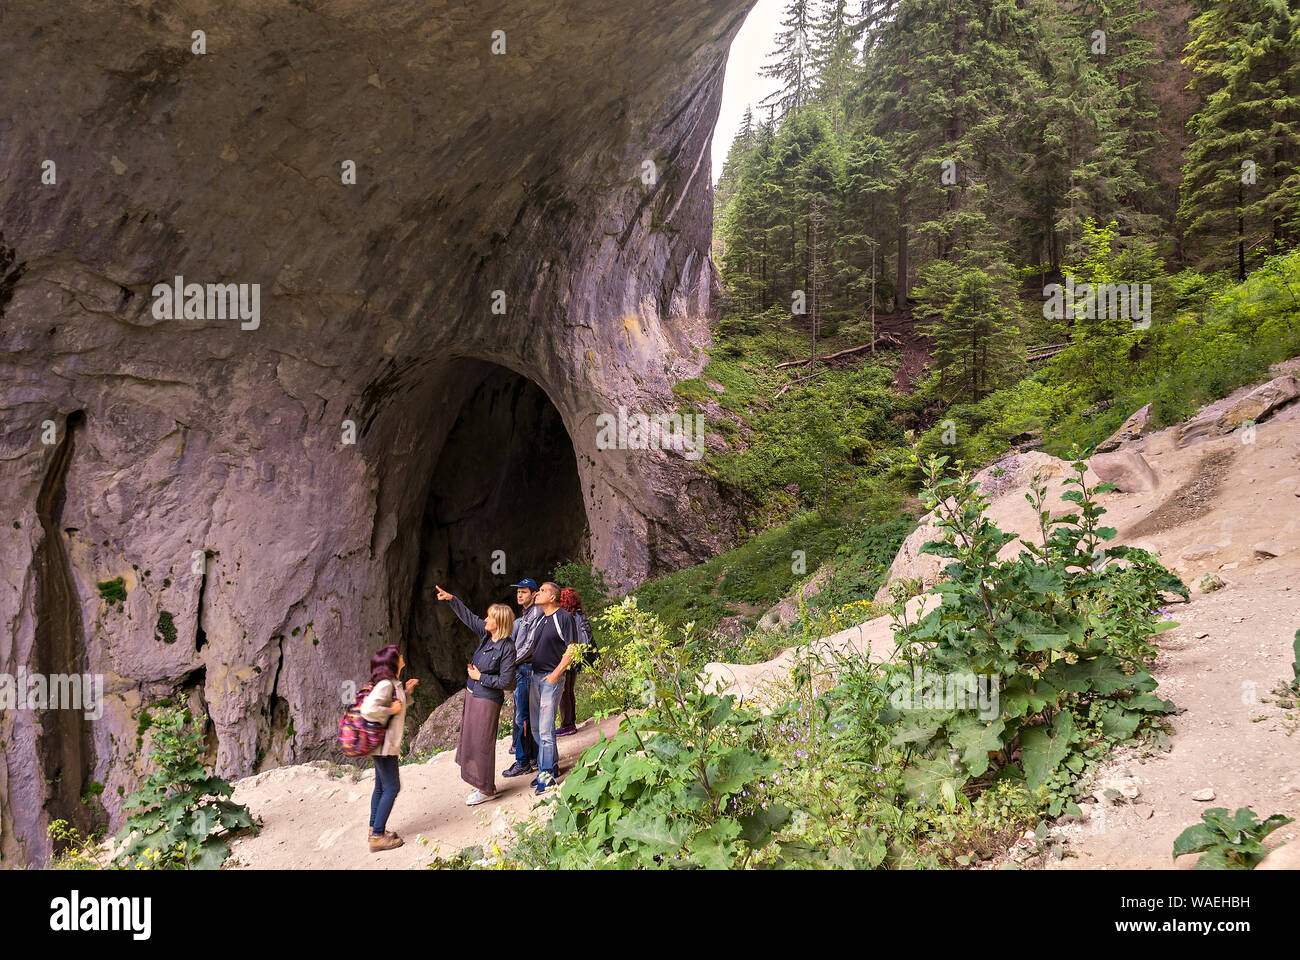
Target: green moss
[(166, 630), (113, 591)]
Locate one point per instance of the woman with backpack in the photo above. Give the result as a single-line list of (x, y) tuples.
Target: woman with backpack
[(491, 670), (571, 601), (386, 704)]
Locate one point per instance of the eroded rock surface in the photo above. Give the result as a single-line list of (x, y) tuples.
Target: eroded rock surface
[(500, 234)]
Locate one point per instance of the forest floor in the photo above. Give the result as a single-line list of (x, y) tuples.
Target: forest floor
[(1223, 507)]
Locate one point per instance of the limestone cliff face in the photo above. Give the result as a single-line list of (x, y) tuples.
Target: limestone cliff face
[(500, 274)]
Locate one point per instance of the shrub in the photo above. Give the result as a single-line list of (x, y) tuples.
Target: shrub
[(113, 591), (181, 817), (676, 786), (1228, 842), (1049, 627)]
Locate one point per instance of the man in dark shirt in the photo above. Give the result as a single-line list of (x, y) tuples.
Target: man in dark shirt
[(525, 744), (556, 632)]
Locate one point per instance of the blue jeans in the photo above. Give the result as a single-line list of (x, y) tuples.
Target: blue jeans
[(543, 702), (387, 786), (525, 747)]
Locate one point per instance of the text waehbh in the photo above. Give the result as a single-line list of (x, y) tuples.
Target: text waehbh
[(211, 301), (75, 914)]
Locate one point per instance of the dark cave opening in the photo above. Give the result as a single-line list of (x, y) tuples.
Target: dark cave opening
[(504, 502)]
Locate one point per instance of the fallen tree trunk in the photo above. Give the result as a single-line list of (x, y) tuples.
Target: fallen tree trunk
[(795, 383), (884, 338)]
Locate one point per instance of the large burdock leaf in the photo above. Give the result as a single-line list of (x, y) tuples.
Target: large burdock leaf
[(1197, 837), (1026, 695), (757, 828), (919, 726), (658, 835), (1102, 675), (736, 769), (1116, 722), (1042, 750), (975, 739), (933, 781), (715, 848)]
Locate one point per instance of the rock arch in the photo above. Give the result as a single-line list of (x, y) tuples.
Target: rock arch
[(475, 174)]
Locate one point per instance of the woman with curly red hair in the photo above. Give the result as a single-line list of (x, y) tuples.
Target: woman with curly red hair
[(572, 602)]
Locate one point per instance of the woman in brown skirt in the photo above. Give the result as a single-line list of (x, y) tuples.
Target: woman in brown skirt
[(491, 670)]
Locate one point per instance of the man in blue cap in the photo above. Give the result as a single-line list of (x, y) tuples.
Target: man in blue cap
[(525, 744)]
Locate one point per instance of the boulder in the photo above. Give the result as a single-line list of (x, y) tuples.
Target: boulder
[(1127, 469), (1137, 425), (1269, 548), (441, 730), (1004, 484), (786, 611), (1223, 417)]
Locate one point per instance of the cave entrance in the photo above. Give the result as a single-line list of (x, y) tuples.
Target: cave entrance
[(504, 502)]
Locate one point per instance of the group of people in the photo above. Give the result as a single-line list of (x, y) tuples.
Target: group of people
[(535, 653)]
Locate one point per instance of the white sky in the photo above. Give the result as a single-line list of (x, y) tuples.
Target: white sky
[(744, 87)]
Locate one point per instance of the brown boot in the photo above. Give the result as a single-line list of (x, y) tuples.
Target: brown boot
[(389, 841)]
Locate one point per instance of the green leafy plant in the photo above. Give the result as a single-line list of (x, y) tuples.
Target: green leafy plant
[(1295, 666), (1228, 842), (676, 787), (166, 629), (182, 816), (1062, 628), (77, 852)]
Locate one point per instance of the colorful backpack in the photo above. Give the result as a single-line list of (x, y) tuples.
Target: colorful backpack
[(358, 736)]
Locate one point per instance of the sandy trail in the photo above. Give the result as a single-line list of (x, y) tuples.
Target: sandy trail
[(313, 819)]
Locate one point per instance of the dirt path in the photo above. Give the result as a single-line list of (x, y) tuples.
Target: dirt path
[(1229, 651), (315, 819), (1219, 500)]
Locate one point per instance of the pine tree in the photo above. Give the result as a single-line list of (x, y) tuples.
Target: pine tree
[(1092, 125), (942, 75), (792, 59), (972, 325), (1241, 179), (835, 35)]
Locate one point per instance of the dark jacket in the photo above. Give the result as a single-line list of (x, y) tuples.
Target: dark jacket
[(587, 637), (495, 659), (524, 622)]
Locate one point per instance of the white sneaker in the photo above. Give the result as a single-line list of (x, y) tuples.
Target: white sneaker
[(478, 796)]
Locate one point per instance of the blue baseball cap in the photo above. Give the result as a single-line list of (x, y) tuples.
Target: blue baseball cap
[(527, 582)]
